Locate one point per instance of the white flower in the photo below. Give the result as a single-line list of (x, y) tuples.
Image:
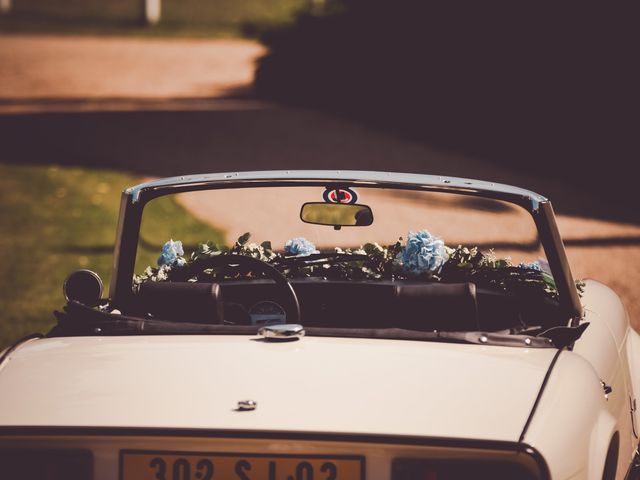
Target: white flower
[(163, 273)]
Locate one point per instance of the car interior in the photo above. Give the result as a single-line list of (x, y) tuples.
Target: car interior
[(347, 304)]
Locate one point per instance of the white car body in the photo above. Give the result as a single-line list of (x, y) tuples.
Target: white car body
[(378, 399)]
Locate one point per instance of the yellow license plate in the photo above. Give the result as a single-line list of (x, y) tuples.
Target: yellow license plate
[(149, 465)]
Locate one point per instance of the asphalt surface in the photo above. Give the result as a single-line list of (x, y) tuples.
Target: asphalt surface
[(169, 107)]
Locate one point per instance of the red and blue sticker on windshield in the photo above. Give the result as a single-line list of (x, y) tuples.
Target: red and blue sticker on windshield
[(339, 195)]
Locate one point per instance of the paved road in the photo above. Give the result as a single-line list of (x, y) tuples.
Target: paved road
[(160, 107)]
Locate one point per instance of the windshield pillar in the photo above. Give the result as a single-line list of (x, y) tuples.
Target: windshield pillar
[(557, 257), (124, 255)]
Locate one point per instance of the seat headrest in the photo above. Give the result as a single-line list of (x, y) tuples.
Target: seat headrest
[(182, 301), (437, 306)]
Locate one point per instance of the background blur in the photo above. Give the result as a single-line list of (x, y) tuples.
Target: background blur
[(193, 18), (96, 95)]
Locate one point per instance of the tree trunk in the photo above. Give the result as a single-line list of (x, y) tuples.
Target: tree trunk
[(151, 10), (5, 6)]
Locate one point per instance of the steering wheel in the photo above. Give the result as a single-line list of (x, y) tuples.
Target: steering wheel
[(292, 307), (320, 258)]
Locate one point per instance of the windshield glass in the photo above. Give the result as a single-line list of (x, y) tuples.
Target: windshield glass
[(499, 230), (342, 257)]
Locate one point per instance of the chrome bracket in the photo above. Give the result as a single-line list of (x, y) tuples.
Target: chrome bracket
[(607, 389), (633, 408), (279, 333), (246, 406)]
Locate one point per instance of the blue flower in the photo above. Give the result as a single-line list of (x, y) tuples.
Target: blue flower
[(172, 254), (299, 246), (531, 266), (424, 253)]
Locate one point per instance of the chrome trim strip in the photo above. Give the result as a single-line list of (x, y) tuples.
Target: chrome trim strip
[(540, 392), (443, 183)]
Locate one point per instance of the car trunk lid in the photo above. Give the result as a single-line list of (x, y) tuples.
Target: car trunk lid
[(337, 385)]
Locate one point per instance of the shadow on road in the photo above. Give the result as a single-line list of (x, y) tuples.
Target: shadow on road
[(544, 91), (173, 137)]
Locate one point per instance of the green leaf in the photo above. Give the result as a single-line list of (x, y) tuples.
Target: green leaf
[(369, 248), (242, 239), (548, 279), (266, 245)]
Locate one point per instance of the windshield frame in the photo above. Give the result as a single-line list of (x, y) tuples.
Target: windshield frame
[(134, 199)]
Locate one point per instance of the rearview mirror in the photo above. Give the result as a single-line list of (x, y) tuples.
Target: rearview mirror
[(336, 214)]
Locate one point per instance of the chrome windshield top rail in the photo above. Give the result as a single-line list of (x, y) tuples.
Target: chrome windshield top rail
[(273, 178)]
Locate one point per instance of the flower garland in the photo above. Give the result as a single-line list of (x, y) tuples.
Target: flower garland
[(423, 257)]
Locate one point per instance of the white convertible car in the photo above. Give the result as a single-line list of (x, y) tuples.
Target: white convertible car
[(363, 326)]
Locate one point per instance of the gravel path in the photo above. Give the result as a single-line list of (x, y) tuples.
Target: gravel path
[(161, 107), (69, 67)]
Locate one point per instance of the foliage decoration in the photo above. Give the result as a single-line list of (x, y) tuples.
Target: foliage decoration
[(422, 257)]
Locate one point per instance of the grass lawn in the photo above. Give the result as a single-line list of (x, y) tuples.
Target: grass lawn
[(198, 18), (55, 220)]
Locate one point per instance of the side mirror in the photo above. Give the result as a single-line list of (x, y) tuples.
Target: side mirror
[(83, 286), (336, 214)]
